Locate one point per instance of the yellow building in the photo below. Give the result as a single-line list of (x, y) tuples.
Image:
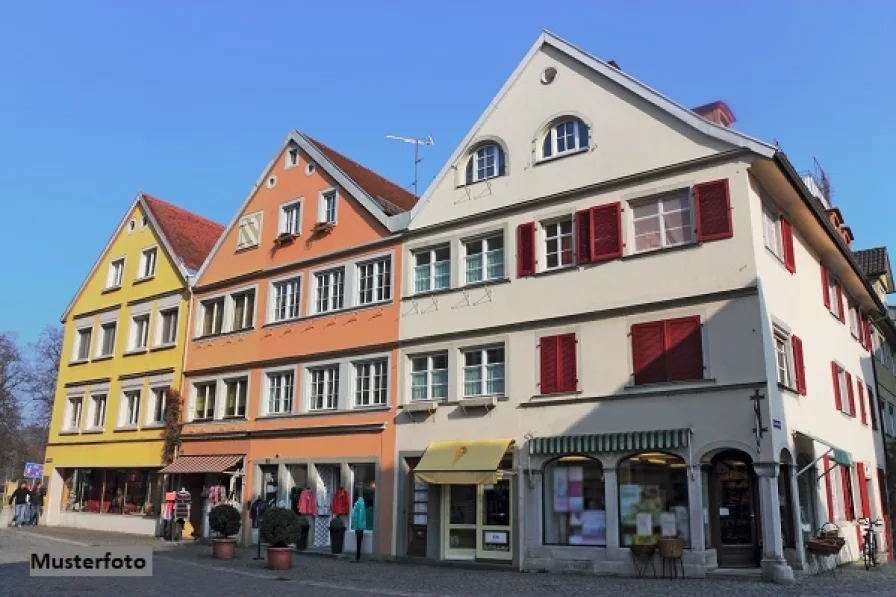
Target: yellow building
[(125, 336)]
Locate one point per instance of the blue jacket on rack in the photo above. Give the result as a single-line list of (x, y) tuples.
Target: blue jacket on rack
[(359, 515)]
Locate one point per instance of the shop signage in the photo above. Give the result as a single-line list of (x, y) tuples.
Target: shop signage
[(496, 537), (776, 423), (34, 470)]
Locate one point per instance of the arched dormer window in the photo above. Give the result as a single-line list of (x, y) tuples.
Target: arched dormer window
[(567, 135), (487, 161)]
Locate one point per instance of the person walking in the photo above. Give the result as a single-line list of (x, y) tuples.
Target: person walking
[(37, 503), (21, 497)]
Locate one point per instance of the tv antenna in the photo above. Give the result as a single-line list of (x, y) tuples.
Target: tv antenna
[(417, 159)]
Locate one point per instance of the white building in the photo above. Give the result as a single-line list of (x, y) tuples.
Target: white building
[(599, 285)]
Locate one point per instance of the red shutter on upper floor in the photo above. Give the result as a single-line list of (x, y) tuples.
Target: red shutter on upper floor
[(713, 205), (827, 487), (606, 227), (835, 373), (567, 380), (825, 290), (848, 506), (548, 350), (860, 386), (787, 242), (684, 349), (583, 236), (863, 490), (850, 393), (648, 352), (840, 304), (866, 334), (799, 364), (525, 249)]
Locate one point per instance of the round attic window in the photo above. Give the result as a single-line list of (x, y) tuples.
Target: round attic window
[(271, 182), (309, 169), (548, 76)]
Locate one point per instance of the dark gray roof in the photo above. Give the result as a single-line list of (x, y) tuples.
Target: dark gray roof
[(874, 262)]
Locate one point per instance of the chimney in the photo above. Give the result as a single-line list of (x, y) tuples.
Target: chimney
[(615, 65), (846, 233), (717, 112)]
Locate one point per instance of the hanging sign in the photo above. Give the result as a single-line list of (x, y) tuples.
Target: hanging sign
[(34, 470)]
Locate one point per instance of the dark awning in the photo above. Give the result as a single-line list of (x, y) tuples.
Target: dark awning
[(611, 442), (214, 463)]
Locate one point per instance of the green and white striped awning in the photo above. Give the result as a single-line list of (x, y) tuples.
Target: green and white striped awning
[(611, 442)]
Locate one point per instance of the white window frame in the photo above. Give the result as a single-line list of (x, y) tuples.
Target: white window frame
[(272, 299), (771, 232), (483, 368), (149, 258), (836, 490), (226, 382), (247, 323), (265, 399), (102, 340), (74, 413), (478, 155), (380, 293), (681, 193), (209, 414), (79, 343), (99, 402), (323, 212), (330, 377), (553, 136), (832, 294), (430, 268), (157, 394), (128, 416), (216, 303), (370, 394), (286, 224), (482, 257), (784, 350), (291, 157), (160, 339), (558, 222), (115, 276), (327, 280), (429, 371), (844, 390), (138, 339), (852, 318)]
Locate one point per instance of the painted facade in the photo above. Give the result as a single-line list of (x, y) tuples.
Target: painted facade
[(123, 348), (588, 279), (293, 339)]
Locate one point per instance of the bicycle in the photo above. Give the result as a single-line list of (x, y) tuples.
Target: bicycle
[(869, 547)]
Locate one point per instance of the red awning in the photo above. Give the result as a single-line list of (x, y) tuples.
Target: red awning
[(215, 463)]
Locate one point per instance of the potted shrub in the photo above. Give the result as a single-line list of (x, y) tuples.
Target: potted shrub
[(279, 529), (304, 529), (225, 520), (337, 534)]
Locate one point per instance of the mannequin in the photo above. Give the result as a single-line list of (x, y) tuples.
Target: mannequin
[(359, 523)]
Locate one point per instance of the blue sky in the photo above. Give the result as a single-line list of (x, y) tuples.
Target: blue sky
[(188, 100)]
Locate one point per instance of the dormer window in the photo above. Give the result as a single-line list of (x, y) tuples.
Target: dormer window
[(565, 136), (486, 162)]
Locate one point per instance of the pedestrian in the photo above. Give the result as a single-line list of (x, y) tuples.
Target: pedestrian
[(21, 497), (37, 503)]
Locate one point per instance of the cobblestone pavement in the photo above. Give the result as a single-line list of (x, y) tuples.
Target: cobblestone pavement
[(189, 570)]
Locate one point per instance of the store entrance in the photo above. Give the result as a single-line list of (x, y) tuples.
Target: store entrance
[(733, 507), (477, 521)]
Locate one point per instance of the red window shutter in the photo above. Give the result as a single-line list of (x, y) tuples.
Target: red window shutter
[(840, 304), (567, 381), (827, 487), (787, 238), (548, 347), (866, 333), (863, 490), (799, 364), (713, 210), (525, 249), (684, 349), (861, 388), (838, 399), (850, 393), (583, 236), (825, 291), (848, 507), (606, 224), (648, 352)]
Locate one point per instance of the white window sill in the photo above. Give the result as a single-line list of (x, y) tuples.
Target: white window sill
[(94, 430), (78, 361), (285, 321), (144, 279), (655, 250), (103, 357), (481, 180), (560, 156), (69, 432), (156, 425), (126, 428), (164, 346), (367, 407), (112, 288), (134, 351)]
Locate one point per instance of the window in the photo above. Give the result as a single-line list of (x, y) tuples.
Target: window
[(365, 486), (330, 290), (116, 273), (432, 269), (771, 231), (291, 218), (485, 162), (666, 351), (484, 259), (429, 377), (654, 483), (375, 281), (249, 232), (286, 300), (783, 359), (557, 357), (82, 348), (565, 137), (871, 409), (558, 244), (236, 392), (327, 213), (168, 326), (243, 310), (836, 295), (853, 319), (292, 157), (139, 332), (371, 383), (663, 222), (807, 487), (157, 410), (281, 387), (148, 263), (484, 372), (130, 409), (204, 407), (107, 341), (212, 316), (325, 388), (844, 398), (98, 414), (574, 502), (73, 414)]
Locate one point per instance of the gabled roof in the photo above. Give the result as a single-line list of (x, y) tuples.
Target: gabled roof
[(731, 136), (875, 262), (384, 200), (185, 236)]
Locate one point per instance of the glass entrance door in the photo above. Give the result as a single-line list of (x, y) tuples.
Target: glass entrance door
[(477, 521), (736, 530), (494, 529), (460, 535)]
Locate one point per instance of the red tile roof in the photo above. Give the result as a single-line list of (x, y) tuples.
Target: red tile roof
[(191, 237), (390, 197)]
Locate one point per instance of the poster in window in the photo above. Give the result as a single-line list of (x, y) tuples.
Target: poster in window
[(644, 524), (629, 498), (668, 524), (561, 489), (594, 527), (575, 489)]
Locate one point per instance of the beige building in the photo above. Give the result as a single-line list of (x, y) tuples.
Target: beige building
[(624, 320)]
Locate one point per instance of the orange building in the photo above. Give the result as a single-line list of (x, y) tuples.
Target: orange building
[(289, 376)]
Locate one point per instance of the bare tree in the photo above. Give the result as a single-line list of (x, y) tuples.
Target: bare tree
[(14, 377), (43, 373)]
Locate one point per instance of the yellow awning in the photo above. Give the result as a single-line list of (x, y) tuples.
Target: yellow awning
[(463, 462)]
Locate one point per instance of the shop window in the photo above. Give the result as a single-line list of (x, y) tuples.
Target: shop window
[(785, 506), (112, 491), (808, 492), (574, 502), (365, 486), (653, 499)]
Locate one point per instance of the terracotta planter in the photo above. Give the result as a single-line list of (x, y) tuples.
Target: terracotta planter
[(280, 558), (222, 549)]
